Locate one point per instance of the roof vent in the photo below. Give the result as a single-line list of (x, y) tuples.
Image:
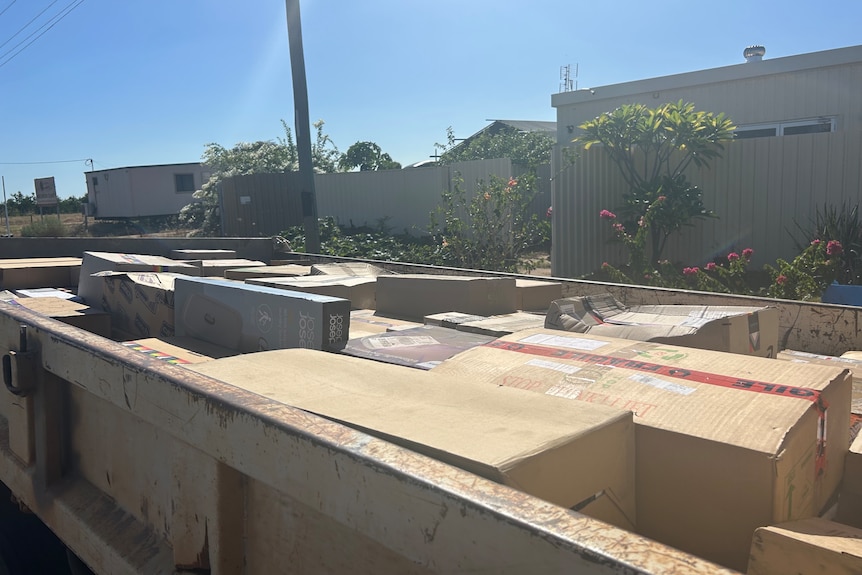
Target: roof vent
[(754, 53)]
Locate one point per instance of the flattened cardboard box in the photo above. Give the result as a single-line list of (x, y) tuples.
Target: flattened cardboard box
[(288, 270), (353, 269), (178, 350), (422, 347), (141, 304), (734, 329), (90, 289), (806, 547), (725, 443), (359, 290), (414, 296), (21, 273), (250, 318), (69, 312), (560, 451), (370, 321)]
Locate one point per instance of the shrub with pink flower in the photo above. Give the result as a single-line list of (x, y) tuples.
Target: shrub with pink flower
[(690, 271), (809, 274), (732, 256), (747, 253), (607, 215), (834, 248), (710, 267)]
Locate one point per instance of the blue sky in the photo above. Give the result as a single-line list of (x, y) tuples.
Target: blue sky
[(137, 83)]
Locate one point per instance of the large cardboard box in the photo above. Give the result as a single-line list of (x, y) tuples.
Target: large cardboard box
[(536, 295), (178, 350), (252, 318), (422, 347), (203, 254), (725, 443), (850, 502), (734, 329), (854, 365), (219, 267), (359, 290), (141, 304), (288, 270), (505, 324), (810, 546), (69, 312), (413, 296), (90, 288), (21, 273), (563, 452)]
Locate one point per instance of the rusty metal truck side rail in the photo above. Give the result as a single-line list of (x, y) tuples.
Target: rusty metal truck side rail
[(144, 467)]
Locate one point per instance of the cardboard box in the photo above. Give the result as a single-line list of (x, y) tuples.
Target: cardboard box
[(850, 502), (806, 547), (46, 292), (500, 325), (559, 451), (90, 288), (178, 350), (734, 329), (253, 318), (371, 321), (536, 295), (414, 296), (725, 443), (203, 254), (451, 319), (289, 270), (359, 290), (422, 347), (141, 304), (854, 365), (353, 269), (19, 273), (69, 312), (218, 268)]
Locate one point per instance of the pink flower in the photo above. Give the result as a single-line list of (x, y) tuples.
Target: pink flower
[(732, 256), (815, 242), (605, 265), (747, 253), (780, 280), (690, 271), (647, 277), (619, 228), (550, 212), (710, 266), (641, 222), (512, 183), (661, 198), (834, 248), (607, 215)]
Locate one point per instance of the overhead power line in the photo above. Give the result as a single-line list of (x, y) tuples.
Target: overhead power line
[(39, 32), (25, 26), (45, 162), (7, 7)]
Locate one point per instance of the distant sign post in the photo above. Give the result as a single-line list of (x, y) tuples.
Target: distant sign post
[(46, 192)]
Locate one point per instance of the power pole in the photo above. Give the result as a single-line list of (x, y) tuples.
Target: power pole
[(303, 129)]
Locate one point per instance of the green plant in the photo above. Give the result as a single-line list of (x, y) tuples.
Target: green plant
[(652, 148), (490, 231), (809, 274), (48, 228), (842, 224)]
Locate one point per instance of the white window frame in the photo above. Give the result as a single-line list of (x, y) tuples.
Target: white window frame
[(780, 127)]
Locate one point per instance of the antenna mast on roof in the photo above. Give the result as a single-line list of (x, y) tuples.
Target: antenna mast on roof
[(566, 78)]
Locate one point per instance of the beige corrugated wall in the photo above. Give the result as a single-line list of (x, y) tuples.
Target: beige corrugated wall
[(759, 190)]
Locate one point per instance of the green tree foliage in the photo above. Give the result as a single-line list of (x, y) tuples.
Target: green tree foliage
[(367, 156), (653, 148), (493, 229), (246, 158), (528, 149), (19, 205)]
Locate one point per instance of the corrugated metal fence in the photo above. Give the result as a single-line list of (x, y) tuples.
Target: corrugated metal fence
[(759, 190), (397, 200)]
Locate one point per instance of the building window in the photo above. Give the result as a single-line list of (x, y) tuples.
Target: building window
[(811, 126), (184, 183)]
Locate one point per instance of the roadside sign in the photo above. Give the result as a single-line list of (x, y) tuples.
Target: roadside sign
[(46, 192)]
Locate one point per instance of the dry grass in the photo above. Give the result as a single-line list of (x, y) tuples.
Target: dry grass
[(72, 222)]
